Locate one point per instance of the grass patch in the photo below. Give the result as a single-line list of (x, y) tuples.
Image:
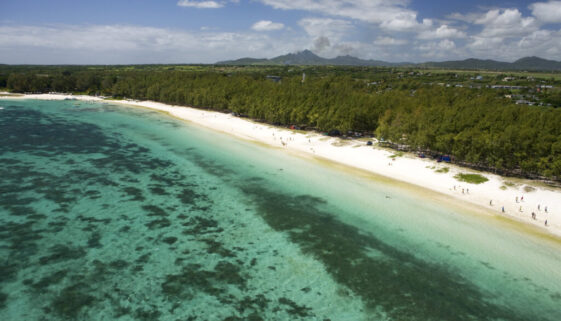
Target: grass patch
[(398, 154), (509, 184), (529, 189), (471, 178), (503, 188), (443, 170)]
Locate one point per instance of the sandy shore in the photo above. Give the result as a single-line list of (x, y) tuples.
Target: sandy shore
[(518, 197)]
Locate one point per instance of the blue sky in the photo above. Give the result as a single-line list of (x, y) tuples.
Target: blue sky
[(206, 31)]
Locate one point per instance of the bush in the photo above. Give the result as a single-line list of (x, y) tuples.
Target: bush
[(471, 178)]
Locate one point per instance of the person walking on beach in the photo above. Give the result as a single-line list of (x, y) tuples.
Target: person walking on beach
[(546, 209), (533, 215), (491, 203), (520, 208), (538, 207), (516, 199), (545, 223), (503, 209), (522, 198)]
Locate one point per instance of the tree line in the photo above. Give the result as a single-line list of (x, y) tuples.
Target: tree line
[(477, 126)]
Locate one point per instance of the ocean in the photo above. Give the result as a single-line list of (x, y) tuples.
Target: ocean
[(119, 213)]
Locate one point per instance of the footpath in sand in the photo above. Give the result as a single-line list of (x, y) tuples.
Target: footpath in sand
[(518, 197)]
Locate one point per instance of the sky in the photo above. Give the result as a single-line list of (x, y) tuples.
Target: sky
[(207, 31)]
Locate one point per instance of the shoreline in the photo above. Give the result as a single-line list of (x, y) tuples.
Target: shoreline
[(355, 154)]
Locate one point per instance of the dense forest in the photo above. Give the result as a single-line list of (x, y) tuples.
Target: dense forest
[(479, 126)]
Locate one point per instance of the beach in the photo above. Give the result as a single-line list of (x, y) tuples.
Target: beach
[(115, 209), (511, 198)]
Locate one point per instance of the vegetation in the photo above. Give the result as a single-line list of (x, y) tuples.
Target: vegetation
[(436, 113), (443, 170), (471, 178)]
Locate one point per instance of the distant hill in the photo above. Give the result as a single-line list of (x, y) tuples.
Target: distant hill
[(307, 57), (527, 63), (537, 63)]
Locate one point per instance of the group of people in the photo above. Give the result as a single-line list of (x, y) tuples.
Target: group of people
[(518, 200), (534, 215), (464, 191)]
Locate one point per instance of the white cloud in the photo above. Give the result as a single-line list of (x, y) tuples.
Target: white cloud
[(403, 21), (505, 23), (541, 43), (334, 29), (326, 35), (548, 12), (125, 44), (390, 15), (441, 32), (441, 49), (266, 25), (445, 44), (200, 4), (389, 41)]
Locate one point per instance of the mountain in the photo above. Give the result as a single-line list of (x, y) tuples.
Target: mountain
[(527, 63), (537, 63), (307, 57)]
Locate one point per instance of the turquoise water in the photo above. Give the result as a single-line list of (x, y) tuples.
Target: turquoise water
[(115, 213)]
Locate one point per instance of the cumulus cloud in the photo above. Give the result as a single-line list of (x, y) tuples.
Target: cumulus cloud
[(327, 35), (200, 4), (505, 23), (389, 41), (334, 29), (548, 12), (266, 25), (125, 44), (442, 45), (441, 32), (403, 21), (542, 43), (438, 50), (390, 15)]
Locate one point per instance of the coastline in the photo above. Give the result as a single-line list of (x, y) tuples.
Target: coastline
[(356, 154)]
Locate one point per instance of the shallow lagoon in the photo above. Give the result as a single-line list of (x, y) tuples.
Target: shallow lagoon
[(116, 213)]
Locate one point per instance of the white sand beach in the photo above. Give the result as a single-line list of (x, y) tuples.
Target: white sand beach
[(500, 191)]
